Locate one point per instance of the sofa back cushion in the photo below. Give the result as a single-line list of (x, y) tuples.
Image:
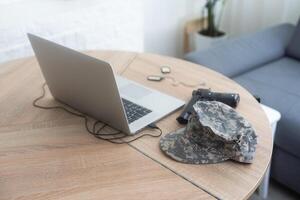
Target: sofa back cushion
[(293, 49), (236, 56)]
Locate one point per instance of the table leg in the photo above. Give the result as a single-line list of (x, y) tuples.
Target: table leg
[(264, 186)]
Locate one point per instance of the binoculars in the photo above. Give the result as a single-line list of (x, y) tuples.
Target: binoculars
[(231, 99)]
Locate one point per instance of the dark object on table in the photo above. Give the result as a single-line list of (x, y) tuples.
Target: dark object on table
[(257, 98), (215, 133), (267, 63), (231, 99)]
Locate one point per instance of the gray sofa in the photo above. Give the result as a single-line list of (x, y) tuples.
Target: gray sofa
[(267, 63)]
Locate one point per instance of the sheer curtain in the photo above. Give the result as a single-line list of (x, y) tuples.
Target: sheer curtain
[(244, 16)]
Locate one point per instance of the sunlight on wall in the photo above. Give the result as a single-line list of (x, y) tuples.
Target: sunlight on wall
[(98, 24)]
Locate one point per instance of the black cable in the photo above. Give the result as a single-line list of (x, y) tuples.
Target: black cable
[(152, 126), (116, 137)]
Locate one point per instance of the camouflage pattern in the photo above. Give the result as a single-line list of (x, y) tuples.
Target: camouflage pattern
[(215, 133)]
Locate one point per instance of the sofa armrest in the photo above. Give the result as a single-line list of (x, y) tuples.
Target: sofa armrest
[(235, 56)]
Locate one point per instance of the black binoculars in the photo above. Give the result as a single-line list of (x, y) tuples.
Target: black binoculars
[(231, 99)]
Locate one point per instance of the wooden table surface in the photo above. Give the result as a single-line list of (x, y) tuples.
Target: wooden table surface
[(47, 154)]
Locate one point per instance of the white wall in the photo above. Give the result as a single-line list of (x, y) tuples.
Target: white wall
[(150, 25), (164, 23), (164, 19), (92, 24)]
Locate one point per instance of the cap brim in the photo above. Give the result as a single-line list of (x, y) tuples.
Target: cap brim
[(182, 149)]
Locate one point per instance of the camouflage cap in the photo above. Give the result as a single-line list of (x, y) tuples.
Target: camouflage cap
[(215, 133)]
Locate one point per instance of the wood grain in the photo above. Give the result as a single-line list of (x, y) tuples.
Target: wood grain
[(64, 162), (48, 154), (229, 180)]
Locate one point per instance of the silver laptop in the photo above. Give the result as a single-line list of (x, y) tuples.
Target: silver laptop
[(90, 86)]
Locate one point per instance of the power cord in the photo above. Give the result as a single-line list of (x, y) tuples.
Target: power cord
[(117, 137), (176, 82)]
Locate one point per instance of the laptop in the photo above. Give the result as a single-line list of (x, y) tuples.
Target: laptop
[(90, 86)]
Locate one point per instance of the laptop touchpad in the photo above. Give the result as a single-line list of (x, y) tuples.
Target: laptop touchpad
[(134, 91)]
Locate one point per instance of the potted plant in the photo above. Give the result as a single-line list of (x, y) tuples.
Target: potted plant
[(210, 32)]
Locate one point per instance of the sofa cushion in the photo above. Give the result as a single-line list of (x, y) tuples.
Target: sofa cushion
[(270, 96), (278, 89), (235, 56), (285, 169), (293, 49), (283, 74)]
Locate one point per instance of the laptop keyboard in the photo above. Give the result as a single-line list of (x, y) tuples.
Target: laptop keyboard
[(134, 111)]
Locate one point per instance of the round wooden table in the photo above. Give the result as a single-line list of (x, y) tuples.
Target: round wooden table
[(47, 154)]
